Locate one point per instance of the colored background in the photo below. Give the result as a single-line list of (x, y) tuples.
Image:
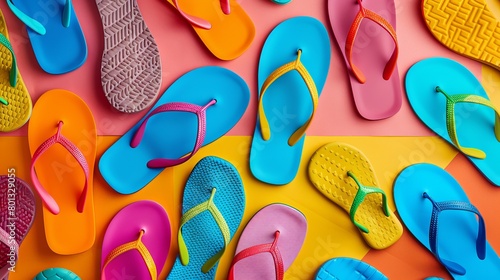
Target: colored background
[(390, 144)]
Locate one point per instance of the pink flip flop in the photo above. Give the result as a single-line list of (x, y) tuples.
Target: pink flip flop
[(17, 204), (136, 243), (269, 243), (365, 31)]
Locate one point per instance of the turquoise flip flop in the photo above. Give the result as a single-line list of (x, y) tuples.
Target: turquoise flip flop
[(452, 103), (456, 238), (56, 274), (348, 269), (212, 209), (202, 105), (55, 33), (300, 46)]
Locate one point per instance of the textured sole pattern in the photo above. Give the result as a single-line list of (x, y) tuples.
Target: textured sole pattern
[(131, 65), (56, 274), (466, 27)]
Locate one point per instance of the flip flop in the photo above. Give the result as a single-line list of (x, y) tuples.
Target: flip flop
[(344, 175), (348, 269), (212, 100), (223, 26), (62, 174), (421, 193), (277, 230), (16, 218), (212, 209), (55, 33), (465, 27), (435, 89), (131, 64), (366, 34), (136, 242), (288, 108), (56, 274)]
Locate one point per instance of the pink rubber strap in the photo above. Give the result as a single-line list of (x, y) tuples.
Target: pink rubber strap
[(200, 112), (199, 22), (6, 239), (47, 199)]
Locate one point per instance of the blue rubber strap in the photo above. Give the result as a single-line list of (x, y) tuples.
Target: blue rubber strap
[(437, 208), (13, 70), (30, 22), (66, 16)]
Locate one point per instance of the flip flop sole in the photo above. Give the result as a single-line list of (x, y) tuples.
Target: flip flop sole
[(56, 274), (348, 269)]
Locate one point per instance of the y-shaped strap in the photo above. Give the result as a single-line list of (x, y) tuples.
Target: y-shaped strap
[(451, 100), (437, 208), (58, 138), (262, 248), (360, 197), (200, 112), (133, 245), (311, 86), (13, 69), (36, 25), (351, 36), (199, 22), (221, 223)]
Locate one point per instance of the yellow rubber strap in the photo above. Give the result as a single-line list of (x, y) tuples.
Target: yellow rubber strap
[(311, 86), (133, 245)]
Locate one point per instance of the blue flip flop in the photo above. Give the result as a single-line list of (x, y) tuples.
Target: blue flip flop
[(436, 210), (348, 269), (212, 208), (56, 274), (293, 68), (201, 106), (55, 33), (452, 103)]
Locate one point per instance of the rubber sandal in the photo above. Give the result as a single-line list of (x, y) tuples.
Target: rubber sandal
[(16, 218), (344, 175), (212, 209), (465, 27), (281, 2), (62, 142), (366, 34), (131, 65), (55, 33), (223, 26), (57, 273), (213, 99), (15, 101), (435, 89), (277, 230), (348, 269), (457, 239), (136, 242), (285, 112)]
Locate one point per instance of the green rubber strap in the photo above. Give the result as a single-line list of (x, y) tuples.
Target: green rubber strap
[(221, 223), (13, 70), (3, 101), (451, 100), (360, 197)]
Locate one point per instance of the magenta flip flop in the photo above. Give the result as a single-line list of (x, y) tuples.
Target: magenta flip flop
[(136, 243), (365, 31), (277, 230)]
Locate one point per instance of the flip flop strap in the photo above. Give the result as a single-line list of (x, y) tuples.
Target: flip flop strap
[(351, 36), (199, 22), (360, 197), (437, 208), (221, 223), (13, 70), (6, 239), (58, 138), (199, 111), (262, 248), (311, 86), (451, 101), (133, 245), (36, 25)]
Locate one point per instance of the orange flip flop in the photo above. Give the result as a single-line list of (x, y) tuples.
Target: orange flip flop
[(223, 26), (62, 141)]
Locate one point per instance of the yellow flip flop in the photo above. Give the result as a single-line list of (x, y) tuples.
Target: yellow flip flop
[(467, 27), (223, 26), (344, 175), (15, 101), (62, 140)]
